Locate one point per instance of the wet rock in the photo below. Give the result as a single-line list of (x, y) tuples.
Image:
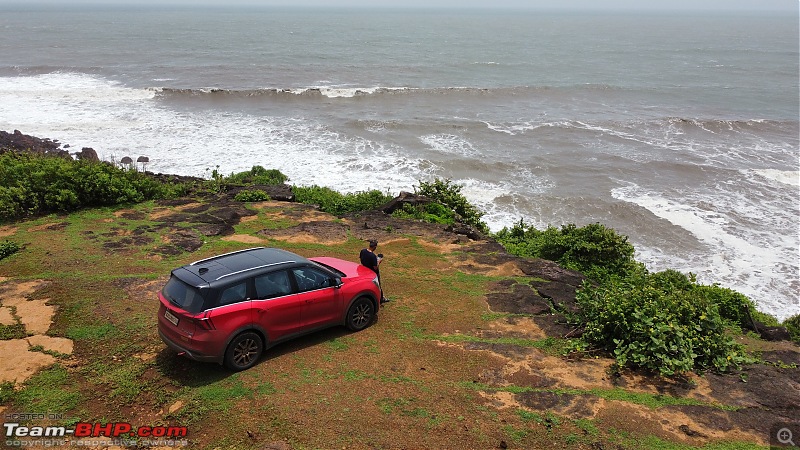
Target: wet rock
[(405, 198), (521, 300), (88, 154), (19, 142), (560, 294), (774, 333), (690, 432)]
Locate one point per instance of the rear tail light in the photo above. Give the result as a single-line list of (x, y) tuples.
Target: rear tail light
[(204, 323)]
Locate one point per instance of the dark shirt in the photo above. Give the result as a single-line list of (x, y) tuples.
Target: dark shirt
[(369, 259)]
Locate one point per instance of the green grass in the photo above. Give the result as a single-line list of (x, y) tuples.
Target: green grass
[(51, 390), (90, 332), (16, 331)]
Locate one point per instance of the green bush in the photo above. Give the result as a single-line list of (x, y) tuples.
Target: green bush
[(661, 322), (594, 250), (257, 175), (431, 212), (664, 322), (449, 194), (792, 324), (256, 195), (8, 248), (32, 184), (337, 203)]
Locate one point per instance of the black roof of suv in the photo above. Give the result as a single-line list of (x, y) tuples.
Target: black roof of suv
[(230, 267)]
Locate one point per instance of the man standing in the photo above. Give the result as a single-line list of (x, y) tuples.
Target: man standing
[(373, 261)]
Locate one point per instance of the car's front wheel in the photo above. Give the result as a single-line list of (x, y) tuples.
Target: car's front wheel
[(243, 351), (361, 314)]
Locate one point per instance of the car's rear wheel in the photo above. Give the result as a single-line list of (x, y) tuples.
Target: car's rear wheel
[(243, 351), (361, 314)]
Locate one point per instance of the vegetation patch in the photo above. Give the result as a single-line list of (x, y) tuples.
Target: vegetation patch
[(449, 205), (662, 322), (47, 391), (256, 195), (8, 248), (33, 184), (338, 204), (257, 175)]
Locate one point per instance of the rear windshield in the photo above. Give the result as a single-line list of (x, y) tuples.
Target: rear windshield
[(183, 295)]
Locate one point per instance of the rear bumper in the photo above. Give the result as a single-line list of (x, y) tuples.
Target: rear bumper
[(191, 354)]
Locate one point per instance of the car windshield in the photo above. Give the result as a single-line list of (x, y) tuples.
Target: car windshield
[(183, 295)]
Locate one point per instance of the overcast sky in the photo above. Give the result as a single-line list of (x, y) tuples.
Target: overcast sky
[(720, 5)]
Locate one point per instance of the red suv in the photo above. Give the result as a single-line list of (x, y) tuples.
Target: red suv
[(230, 308)]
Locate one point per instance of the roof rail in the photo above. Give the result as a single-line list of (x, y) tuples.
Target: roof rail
[(253, 268), (223, 255)]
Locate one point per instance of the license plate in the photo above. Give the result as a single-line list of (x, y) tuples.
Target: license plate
[(171, 318)]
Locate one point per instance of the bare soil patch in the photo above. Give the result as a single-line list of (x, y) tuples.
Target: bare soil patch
[(36, 315), (54, 226), (7, 230), (19, 364)]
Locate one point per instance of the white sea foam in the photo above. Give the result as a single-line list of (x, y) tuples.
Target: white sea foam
[(751, 260), (86, 111), (790, 177), (450, 144)]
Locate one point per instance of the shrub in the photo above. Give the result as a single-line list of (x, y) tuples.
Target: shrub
[(792, 325), (449, 194), (594, 250), (257, 175), (735, 307), (256, 195), (33, 184), (337, 203), (8, 248), (431, 212), (661, 322)]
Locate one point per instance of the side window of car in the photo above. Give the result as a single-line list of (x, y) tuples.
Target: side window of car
[(233, 294), (273, 284), (309, 279)]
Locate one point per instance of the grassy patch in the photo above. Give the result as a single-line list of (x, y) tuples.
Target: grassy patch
[(51, 390), (219, 396), (16, 331), (90, 332)]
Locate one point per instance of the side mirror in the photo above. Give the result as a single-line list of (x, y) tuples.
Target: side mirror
[(337, 282)]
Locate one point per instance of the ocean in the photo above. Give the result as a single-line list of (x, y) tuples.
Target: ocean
[(679, 130)]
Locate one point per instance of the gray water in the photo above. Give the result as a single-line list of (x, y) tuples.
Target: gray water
[(678, 130)]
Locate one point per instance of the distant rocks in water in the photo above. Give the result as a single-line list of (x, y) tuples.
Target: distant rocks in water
[(19, 142)]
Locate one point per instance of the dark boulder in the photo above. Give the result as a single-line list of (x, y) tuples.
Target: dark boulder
[(19, 142), (88, 154)]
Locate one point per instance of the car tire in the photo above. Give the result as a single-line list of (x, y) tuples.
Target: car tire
[(244, 351), (361, 314)]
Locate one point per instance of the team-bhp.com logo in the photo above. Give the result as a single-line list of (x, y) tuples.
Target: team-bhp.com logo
[(87, 430)]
